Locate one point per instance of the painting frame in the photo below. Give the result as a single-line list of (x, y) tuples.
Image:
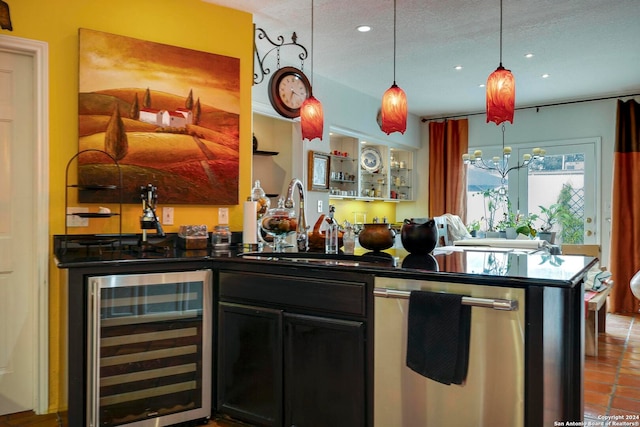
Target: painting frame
[(319, 171), (169, 115)]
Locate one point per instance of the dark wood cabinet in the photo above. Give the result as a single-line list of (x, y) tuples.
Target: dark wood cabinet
[(324, 372), (250, 363), (294, 351)]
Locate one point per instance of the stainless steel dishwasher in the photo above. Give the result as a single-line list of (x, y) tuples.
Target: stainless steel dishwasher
[(493, 394)]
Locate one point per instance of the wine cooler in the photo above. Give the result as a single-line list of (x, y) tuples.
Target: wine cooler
[(149, 349)]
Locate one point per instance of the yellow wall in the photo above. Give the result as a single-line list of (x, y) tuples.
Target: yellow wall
[(346, 210), (192, 24)]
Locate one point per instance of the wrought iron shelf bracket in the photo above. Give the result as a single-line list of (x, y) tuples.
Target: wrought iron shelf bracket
[(260, 34)]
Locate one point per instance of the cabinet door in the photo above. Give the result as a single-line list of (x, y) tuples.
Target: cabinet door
[(325, 371), (250, 364)]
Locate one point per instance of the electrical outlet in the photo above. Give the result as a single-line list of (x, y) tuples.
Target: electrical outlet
[(167, 216), (75, 220), (319, 206), (223, 215)]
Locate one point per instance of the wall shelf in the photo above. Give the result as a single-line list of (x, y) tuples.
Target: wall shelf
[(92, 187), (265, 153)]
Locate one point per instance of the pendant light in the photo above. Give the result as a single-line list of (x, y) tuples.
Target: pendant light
[(501, 91), (311, 115), (394, 100)]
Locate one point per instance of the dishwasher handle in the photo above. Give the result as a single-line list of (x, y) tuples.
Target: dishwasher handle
[(496, 304)]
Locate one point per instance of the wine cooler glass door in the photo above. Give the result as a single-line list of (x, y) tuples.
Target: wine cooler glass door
[(149, 349)]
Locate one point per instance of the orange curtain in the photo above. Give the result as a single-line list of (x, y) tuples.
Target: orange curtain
[(448, 141), (625, 218)]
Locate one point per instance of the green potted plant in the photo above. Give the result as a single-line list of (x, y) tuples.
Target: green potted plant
[(473, 228), (493, 201), (550, 217), (507, 226), (524, 225)]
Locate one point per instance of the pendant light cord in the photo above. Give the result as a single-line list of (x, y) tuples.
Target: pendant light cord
[(312, 44), (500, 33), (394, 42)]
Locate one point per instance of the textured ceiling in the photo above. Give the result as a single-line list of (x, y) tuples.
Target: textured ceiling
[(589, 48)]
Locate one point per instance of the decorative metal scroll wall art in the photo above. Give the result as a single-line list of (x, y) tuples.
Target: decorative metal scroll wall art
[(261, 34)]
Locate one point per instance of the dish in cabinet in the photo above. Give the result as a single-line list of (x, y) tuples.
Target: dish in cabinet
[(371, 160)]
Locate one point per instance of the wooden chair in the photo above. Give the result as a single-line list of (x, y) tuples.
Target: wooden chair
[(443, 230), (586, 250)]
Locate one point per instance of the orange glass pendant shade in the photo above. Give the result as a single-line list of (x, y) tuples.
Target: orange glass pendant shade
[(394, 110), (311, 118), (501, 96)]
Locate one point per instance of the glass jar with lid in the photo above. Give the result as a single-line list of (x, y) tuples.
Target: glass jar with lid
[(279, 223), (258, 195), (221, 237)]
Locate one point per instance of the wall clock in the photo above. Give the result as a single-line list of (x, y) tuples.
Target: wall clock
[(288, 88)]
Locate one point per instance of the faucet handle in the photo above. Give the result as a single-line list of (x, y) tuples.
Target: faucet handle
[(289, 204)]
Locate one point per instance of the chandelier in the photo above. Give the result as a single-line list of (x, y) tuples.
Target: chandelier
[(500, 165)]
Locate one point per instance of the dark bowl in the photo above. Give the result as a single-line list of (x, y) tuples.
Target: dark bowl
[(377, 236), (421, 262)]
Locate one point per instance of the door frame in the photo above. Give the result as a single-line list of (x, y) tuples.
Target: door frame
[(39, 51)]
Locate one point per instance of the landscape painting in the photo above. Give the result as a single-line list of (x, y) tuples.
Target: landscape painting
[(168, 116)]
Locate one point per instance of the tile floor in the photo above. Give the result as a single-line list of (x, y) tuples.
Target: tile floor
[(612, 380)]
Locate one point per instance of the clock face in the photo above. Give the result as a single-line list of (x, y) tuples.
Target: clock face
[(288, 88), (292, 91)]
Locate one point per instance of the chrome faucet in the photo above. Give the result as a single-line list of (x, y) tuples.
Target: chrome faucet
[(302, 238)]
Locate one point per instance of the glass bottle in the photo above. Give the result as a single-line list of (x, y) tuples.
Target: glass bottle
[(331, 238), (258, 195), (263, 203), (348, 239)]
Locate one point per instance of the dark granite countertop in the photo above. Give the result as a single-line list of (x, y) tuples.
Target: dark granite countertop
[(483, 266)]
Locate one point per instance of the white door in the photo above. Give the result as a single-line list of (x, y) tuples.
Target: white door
[(569, 176), (18, 256)]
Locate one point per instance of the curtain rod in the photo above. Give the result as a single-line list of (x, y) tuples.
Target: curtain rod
[(537, 107)]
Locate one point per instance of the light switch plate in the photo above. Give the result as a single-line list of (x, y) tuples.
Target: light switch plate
[(319, 206), (223, 215), (167, 215)]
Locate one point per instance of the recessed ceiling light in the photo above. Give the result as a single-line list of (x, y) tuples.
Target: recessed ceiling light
[(528, 55), (545, 76), (458, 67), (363, 28)]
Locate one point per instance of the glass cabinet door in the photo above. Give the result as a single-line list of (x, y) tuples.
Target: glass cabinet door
[(401, 175), (343, 180), (374, 168)]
